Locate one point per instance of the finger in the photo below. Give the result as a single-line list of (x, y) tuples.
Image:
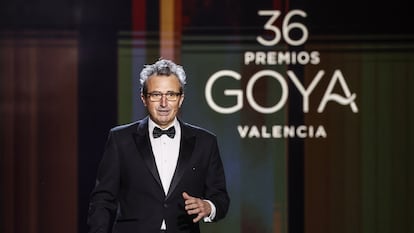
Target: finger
[(191, 206), (193, 211), (186, 196), (198, 218), (200, 211), (189, 199)]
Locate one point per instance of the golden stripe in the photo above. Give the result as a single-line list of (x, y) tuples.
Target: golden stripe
[(167, 29)]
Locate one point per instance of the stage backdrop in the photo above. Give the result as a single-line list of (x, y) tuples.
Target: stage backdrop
[(311, 103)]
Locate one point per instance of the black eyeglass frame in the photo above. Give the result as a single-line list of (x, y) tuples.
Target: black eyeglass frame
[(156, 96)]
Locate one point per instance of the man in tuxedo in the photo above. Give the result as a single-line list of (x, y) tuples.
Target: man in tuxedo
[(159, 174)]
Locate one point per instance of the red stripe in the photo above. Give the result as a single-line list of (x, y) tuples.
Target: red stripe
[(138, 15)]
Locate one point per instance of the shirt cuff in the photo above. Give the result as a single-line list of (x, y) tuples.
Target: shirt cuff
[(212, 215)]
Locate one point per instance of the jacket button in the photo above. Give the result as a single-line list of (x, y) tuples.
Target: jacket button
[(165, 205)]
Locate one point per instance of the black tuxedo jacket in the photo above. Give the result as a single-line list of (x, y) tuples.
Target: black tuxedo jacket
[(128, 196)]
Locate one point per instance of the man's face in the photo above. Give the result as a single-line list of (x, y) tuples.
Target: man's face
[(163, 112)]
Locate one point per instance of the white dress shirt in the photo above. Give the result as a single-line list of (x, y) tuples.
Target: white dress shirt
[(166, 152)]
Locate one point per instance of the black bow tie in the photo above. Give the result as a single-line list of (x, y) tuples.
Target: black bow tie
[(157, 132)]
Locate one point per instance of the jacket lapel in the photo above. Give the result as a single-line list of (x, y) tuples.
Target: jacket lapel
[(186, 149), (144, 147)]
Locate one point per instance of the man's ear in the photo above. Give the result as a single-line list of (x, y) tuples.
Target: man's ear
[(181, 100), (144, 101)]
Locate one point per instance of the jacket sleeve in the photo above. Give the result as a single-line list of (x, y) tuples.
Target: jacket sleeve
[(103, 199), (216, 190)]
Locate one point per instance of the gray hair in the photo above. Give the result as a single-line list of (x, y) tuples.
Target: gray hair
[(162, 67)]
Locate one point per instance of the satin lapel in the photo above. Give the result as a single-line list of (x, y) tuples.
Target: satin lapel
[(144, 147), (186, 150)]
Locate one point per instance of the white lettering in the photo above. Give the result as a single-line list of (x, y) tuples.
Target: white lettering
[(254, 132), (337, 75), (320, 132), (243, 130), (265, 134), (237, 93), (282, 131), (289, 131), (305, 93), (249, 91), (281, 57), (248, 57)]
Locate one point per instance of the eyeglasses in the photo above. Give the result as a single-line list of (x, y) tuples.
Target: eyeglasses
[(157, 96)]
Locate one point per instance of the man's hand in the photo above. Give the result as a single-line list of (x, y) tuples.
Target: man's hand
[(196, 206)]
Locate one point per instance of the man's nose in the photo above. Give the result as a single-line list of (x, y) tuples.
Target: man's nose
[(163, 100)]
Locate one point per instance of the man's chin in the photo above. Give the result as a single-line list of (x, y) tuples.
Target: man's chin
[(163, 120)]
